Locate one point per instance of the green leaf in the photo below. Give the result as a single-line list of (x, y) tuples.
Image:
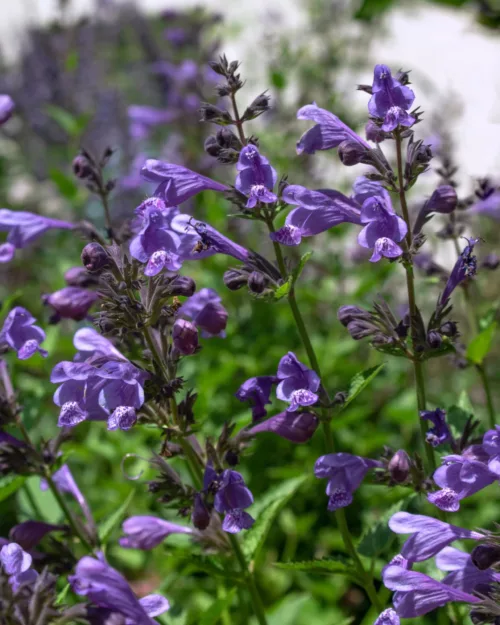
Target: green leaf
[(278, 79), (465, 403), (325, 566), (210, 565), (285, 288), (487, 319), (73, 125), (370, 9), (65, 185), (265, 514), (212, 615), (481, 344), (108, 525), (62, 595), (10, 484), (360, 381), (379, 536)]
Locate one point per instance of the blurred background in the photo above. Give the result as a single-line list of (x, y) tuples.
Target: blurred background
[(132, 75)]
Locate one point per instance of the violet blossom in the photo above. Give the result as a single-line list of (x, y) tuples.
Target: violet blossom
[(491, 446), (107, 589), (298, 385), (7, 107), (296, 427), (204, 308), (462, 572), (390, 100), (440, 433), (100, 384), (71, 302), (256, 178), (489, 206), (17, 564), (345, 473), (232, 496), (23, 228), (464, 268), (147, 532), (387, 617), (428, 536), (20, 333), (257, 391), (29, 533)]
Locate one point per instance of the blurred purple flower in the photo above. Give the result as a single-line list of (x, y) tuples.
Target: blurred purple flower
[(257, 391), (464, 268), (7, 107), (295, 427), (440, 433), (345, 473), (491, 446), (429, 536), (490, 206), (21, 334), (107, 589), (329, 132), (256, 178), (297, 383), (71, 302), (387, 617), (23, 228), (147, 532), (29, 533), (204, 308)]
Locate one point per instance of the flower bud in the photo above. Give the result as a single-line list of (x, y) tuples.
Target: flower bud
[(185, 337), (94, 257), (374, 133), (259, 105), (348, 313), (82, 167), (443, 200), (399, 466), (484, 556), (79, 276), (232, 458), (71, 302), (201, 514), (212, 146), (360, 329), (235, 279), (227, 139), (213, 318), (294, 427), (449, 328), (7, 107), (352, 153), (434, 339), (256, 282), (211, 113), (491, 261), (182, 285)]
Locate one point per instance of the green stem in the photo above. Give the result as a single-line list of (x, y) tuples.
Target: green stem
[(410, 285), (254, 592), (67, 512)]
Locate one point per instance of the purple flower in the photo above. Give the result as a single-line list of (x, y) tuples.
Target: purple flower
[(258, 392), (463, 575), (464, 268), (440, 433), (23, 228), (387, 617), (293, 426), (390, 100), (98, 385), (417, 594), (17, 564), (20, 333), (256, 177), (231, 498), (297, 383), (185, 337), (443, 200), (106, 588), (155, 242), (329, 132), (490, 206), (491, 446), (71, 302), (176, 184), (147, 532), (65, 483), (459, 477), (429, 536), (29, 533), (144, 118), (204, 308), (345, 473), (7, 107), (383, 228)]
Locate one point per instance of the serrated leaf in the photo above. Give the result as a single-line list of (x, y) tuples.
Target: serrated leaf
[(212, 615), (324, 566), (108, 525), (379, 536), (360, 381), (480, 345), (10, 484), (265, 513)]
